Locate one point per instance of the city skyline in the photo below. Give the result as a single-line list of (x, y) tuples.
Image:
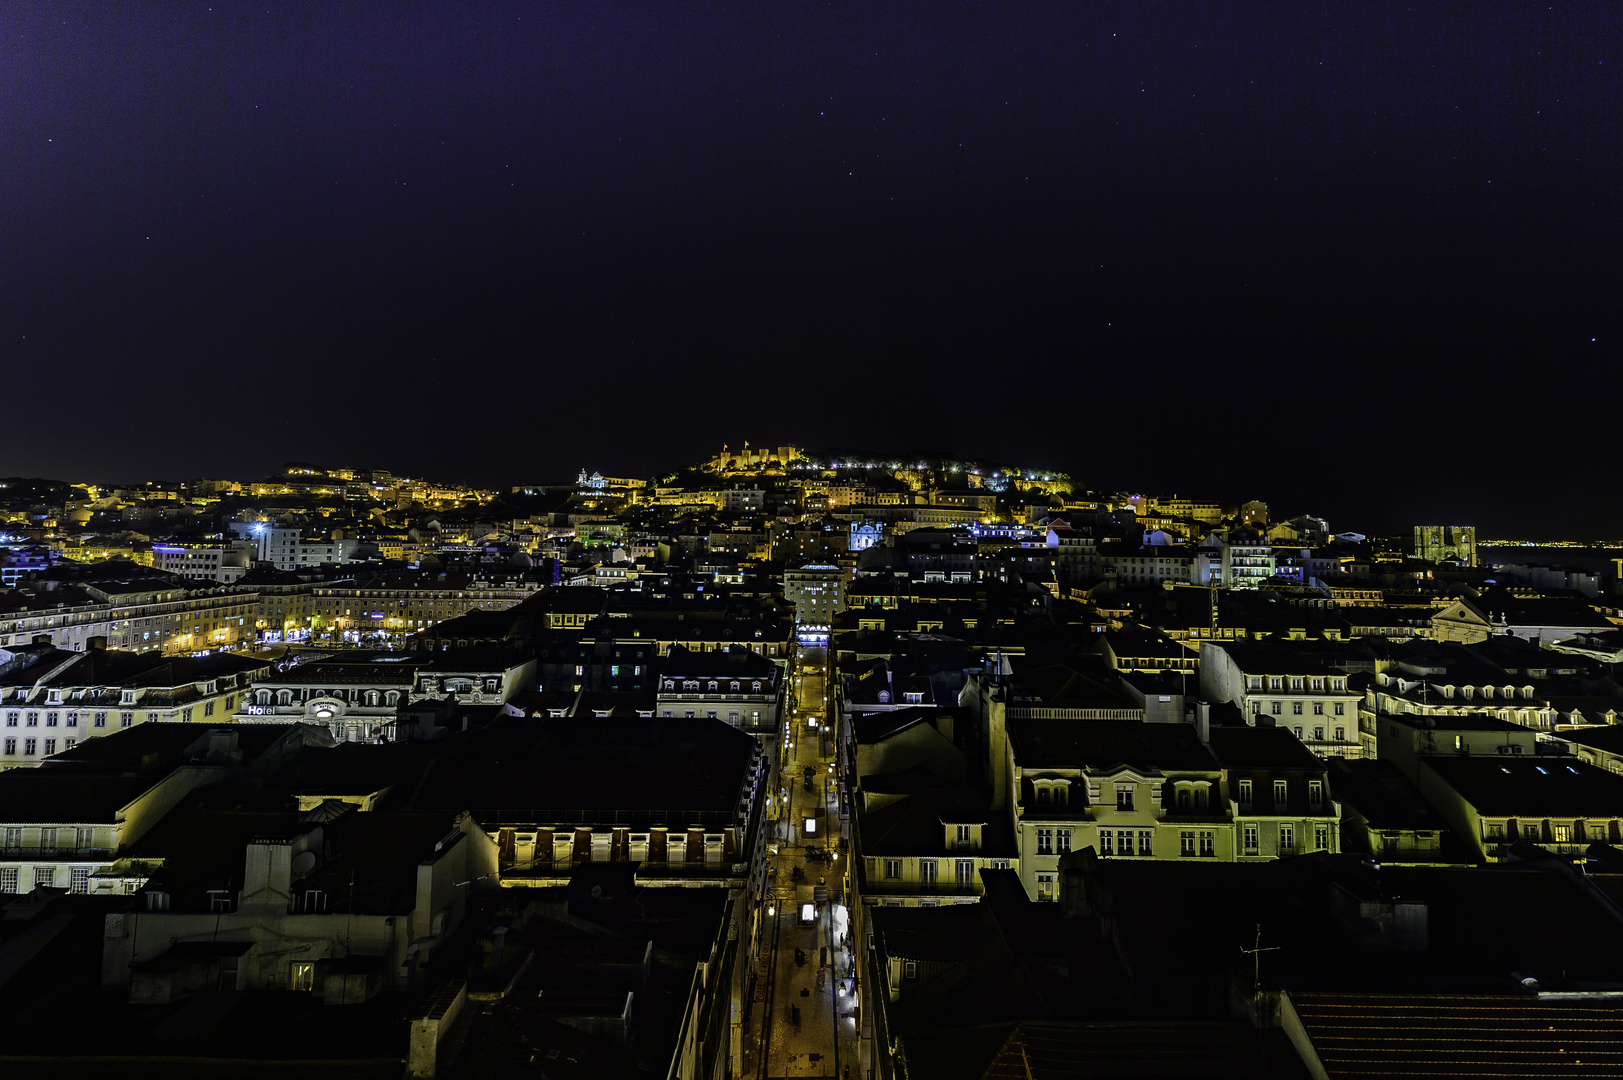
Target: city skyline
[(1271, 245)]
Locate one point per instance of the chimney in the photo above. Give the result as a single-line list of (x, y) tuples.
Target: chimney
[(1203, 721)]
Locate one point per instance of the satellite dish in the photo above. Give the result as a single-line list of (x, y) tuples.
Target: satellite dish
[(303, 863)]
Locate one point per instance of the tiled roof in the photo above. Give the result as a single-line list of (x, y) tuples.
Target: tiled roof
[(1364, 1035)]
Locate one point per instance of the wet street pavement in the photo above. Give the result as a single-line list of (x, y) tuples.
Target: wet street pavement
[(802, 1014)]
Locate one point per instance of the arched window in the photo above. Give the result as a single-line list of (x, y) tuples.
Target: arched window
[(263, 697), (284, 697), (372, 697), (392, 698)]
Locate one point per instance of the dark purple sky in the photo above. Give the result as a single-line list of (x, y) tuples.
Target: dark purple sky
[(1358, 258)]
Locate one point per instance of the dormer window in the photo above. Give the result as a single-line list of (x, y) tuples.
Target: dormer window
[(712, 686), (127, 697), (755, 687), (733, 688), (53, 697)]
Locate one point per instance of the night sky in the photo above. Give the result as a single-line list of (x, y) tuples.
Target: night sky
[(1358, 259)]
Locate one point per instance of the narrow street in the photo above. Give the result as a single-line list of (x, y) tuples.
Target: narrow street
[(802, 1017)]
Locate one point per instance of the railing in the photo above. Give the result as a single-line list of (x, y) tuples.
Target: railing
[(55, 851)]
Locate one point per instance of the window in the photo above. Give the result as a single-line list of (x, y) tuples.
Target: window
[(910, 969), (1279, 707), (1341, 709), (72, 720), (1208, 844), (1281, 792), (1287, 839), (927, 871), (79, 879), (14, 838), (11, 719), (1186, 844), (1496, 834), (1183, 798), (50, 747), (33, 719), (965, 836), (893, 869), (44, 877), (126, 719), (1045, 841), (1106, 842), (1124, 796), (1045, 887), (964, 871), (51, 719), (999, 864), (1318, 733), (1315, 793), (1245, 794), (1145, 836), (101, 719), (1044, 796), (1318, 708), (1124, 842), (1296, 708), (8, 879), (220, 900), (301, 976), (1563, 834), (1062, 841), (1250, 839), (11, 747), (30, 746), (1321, 838)]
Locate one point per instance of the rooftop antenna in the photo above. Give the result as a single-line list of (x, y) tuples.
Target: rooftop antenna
[(1255, 952)]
